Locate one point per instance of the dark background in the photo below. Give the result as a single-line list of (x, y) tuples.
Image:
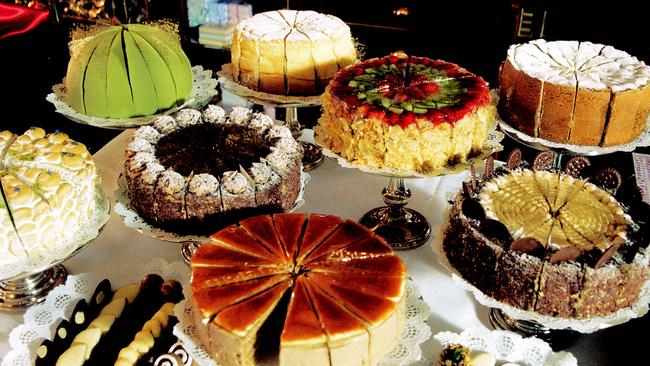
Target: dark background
[(475, 35)]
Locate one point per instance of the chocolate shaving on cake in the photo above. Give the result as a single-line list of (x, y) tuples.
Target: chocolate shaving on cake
[(489, 166), (544, 161), (608, 179), (496, 231), (467, 189), (530, 246), (474, 179), (514, 159), (473, 210), (608, 254), (566, 254)]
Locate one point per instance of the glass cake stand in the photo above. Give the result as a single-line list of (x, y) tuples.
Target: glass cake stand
[(33, 284), (312, 154)]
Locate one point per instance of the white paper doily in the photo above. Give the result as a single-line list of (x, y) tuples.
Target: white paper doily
[(227, 82), (40, 321), (47, 258), (640, 141), (492, 145), (132, 219), (204, 88), (508, 347), (416, 331), (590, 325)]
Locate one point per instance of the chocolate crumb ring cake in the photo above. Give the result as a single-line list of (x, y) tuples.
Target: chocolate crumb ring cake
[(547, 242), (198, 167)]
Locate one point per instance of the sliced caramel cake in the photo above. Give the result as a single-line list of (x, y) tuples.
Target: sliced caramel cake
[(336, 298), (548, 242)]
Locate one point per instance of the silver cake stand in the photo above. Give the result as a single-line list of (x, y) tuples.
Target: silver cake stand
[(33, 284), (402, 227)]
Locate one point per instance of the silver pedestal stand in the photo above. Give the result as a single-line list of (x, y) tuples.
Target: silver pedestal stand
[(403, 228), (32, 286)]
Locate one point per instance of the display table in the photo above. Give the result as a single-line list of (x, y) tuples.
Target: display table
[(332, 190)]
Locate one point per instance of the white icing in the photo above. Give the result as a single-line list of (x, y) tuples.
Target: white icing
[(171, 182), (213, 114), (234, 182), (261, 173), (261, 122), (278, 25), (203, 184), (590, 65), (187, 117), (139, 160), (140, 145), (279, 132), (151, 172), (239, 115), (147, 133), (165, 124)]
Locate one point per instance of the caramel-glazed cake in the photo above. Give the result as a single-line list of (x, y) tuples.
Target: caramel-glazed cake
[(290, 52), (48, 185), (410, 114), (547, 242), (324, 290), (197, 167), (573, 92)]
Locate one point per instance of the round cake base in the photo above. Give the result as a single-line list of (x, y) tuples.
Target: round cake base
[(559, 339), (403, 228), (18, 294)]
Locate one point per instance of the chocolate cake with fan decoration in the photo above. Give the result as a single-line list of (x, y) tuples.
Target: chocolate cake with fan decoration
[(549, 242)]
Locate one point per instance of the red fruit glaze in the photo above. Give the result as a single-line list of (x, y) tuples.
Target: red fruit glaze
[(407, 118)]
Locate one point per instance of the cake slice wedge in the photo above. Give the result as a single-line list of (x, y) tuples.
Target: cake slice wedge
[(347, 338), (347, 233), (303, 341)]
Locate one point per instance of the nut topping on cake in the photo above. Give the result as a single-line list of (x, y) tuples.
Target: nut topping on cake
[(165, 124), (203, 184), (187, 117), (214, 114), (566, 254)]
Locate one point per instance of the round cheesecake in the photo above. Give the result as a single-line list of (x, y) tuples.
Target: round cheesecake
[(290, 52), (48, 185), (579, 93), (197, 167), (547, 242), (410, 114), (324, 290)]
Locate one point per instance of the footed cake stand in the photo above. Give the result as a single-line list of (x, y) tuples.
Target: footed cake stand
[(32, 285), (402, 227), (312, 154)]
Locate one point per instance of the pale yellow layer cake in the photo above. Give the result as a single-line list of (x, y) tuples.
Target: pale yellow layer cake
[(48, 192), (290, 52)]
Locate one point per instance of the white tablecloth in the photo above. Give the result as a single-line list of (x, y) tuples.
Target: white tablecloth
[(332, 190)]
